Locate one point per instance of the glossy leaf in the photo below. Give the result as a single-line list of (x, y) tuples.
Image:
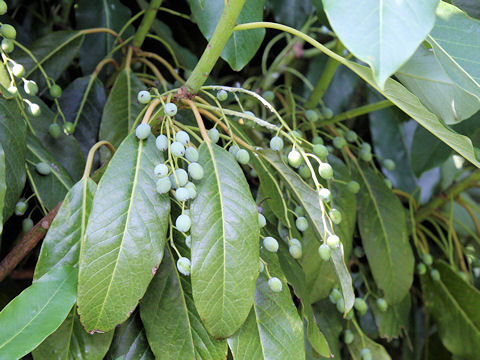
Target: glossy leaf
[(61, 245), (329, 320), (128, 219), (471, 7), (173, 327), (361, 341), (3, 185), (70, 341), (383, 228), (291, 12), (454, 305), (225, 235), (37, 312), (394, 320), (386, 33), (242, 45)]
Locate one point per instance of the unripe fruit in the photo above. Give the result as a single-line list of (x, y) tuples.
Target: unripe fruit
[(177, 149), (320, 150), (188, 241), (184, 266), (269, 96), (261, 220), (55, 91), (183, 223), (353, 187), (333, 241), (3, 7), (182, 137), (270, 244), (366, 147), (389, 164), (421, 269), (182, 194), (348, 337), (296, 134), (242, 156), (311, 115), (18, 70), (276, 143), (261, 266), (233, 149), (12, 90), (335, 216), (388, 183), (294, 242), (301, 223), (341, 305), (8, 31), (161, 170), (299, 211), (34, 109), (325, 170), (69, 127), (43, 168), (382, 304), (305, 172), (30, 87), (181, 176), (327, 112), (295, 158), (351, 136), (361, 306), (7, 46), (275, 284), (339, 142), (170, 109), (222, 95), (163, 185), (27, 225), (365, 354), (427, 259), (144, 97), (325, 194), (195, 170), (435, 275), (295, 251), (366, 156), (54, 130), (214, 135), (143, 131), (20, 208), (192, 190), (317, 140), (335, 295), (325, 252), (191, 154)]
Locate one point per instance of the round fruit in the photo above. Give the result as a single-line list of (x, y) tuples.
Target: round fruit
[(188, 241), (261, 266), (30, 87), (327, 112), (388, 183), (27, 225), (389, 164), (325, 195), (181, 176), (54, 130), (353, 187), (195, 170), (358, 252), (191, 154), (320, 150), (339, 142), (305, 172), (335, 295), (427, 259), (299, 210), (311, 115), (341, 305), (7, 46), (3, 7), (55, 91), (222, 95), (33, 109), (366, 147), (351, 136), (261, 220), (18, 70), (163, 185), (382, 304), (275, 284), (143, 131), (144, 97), (20, 208), (12, 90), (365, 156), (317, 140), (161, 142), (421, 269), (233, 150), (182, 137), (8, 31), (295, 158), (43, 168), (276, 143), (365, 354), (301, 223), (183, 223), (333, 241), (270, 244), (242, 156), (214, 135), (177, 149), (335, 216), (296, 134), (325, 170), (294, 242), (184, 266), (69, 127), (435, 275), (182, 194), (170, 109), (269, 96), (161, 170), (325, 252), (192, 190), (361, 306), (295, 251), (348, 337)]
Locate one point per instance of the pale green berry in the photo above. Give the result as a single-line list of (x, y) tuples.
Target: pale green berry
[(55, 91), (348, 336), (179, 179), (27, 225), (69, 127), (382, 304), (242, 156), (54, 130), (177, 149), (339, 142), (295, 251), (192, 190), (20, 207), (34, 109), (311, 115), (353, 187), (427, 259), (351, 136), (305, 172), (340, 305), (222, 95), (269, 96), (335, 295), (325, 170), (184, 266), (388, 183), (317, 140), (183, 223), (7, 46), (182, 194), (365, 147), (365, 156), (325, 195), (143, 131), (421, 269), (361, 306), (3, 7), (43, 168), (188, 241), (270, 243), (325, 252), (182, 137), (275, 284), (18, 70), (276, 143), (214, 135), (365, 354), (12, 90), (191, 154), (320, 150), (389, 164), (163, 185), (8, 31), (333, 241), (161, 170), (295, 158), (195, 170), (161, 142), (170, 109), (262, 222), (233, 150), (261, 266), (327, 112), (144, 97), (295, 242), (299, 210), (335, 216), (301, 223), (435, 275)]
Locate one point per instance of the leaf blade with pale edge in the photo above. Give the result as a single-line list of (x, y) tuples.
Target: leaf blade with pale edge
[(225, 235), (383, 229), (361, 341), (386, 34), (173, 327), (51, 298), (3, 185), (128, 219)]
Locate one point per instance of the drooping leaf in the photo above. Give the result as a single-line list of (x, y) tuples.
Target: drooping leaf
[(383, 228), (37, 312), (329, 321), (225, 235), (242, 45), (128, 219), (471, 7), (173, 327), (394, 320), (454, 305), (386, 33), (61, 245), (361, 341), (3, 185), (71, 341), (291, 12)]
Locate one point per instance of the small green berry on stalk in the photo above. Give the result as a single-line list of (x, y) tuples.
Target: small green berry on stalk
[(353, 187), (325, 252), (183, 223), (325, 170), (361, 306), (20, 207), (7, 46), (191, 154), (242, 156), (339, 142), (69, 127), (54, 130), (325, 195), (299, 211), (184, 266), (275, 284), (427, 259), (177, 149), (8, 31), (382, 304), (182, 194), (311, 115), (351, 136), (317, 140), (192, 190), (170, 109), (327, 112), (320, 150), (161, 142), (334, 295), (55, 91), (233, 149), (365, 354), (262, 222), (214, 135), (270, 243), (161, 170), (269, 96), (179, 179), (3, 7), (30, 87), (389, 164), (335, 216), (341, 305), (195, 170), (27, 225), (295, 158), (435, 274), (163, 185), (182, 137), (276, 143), (143, 131), (301, 223), (333, 241), (348, 337), (421, 269), (43, 168), (34, 109), (305, 172), (295, 251), (12, 90), (18, 70), (222, 95)]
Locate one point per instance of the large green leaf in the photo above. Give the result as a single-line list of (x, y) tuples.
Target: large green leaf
[(61, 245), (37, 312), (383, 228), (128, 221), (329, 321), (310, 201), (291, 12), (391, 322), (3, 185), (273, 329), (172, 324), (425, 77), (454, 304), (471, 7), (241, 46), (384, 33), (50, 189), (71, 342), (361, 341), (454, 41), (225, 235)]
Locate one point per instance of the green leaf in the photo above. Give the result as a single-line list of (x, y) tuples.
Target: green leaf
[(128, 219), (61, 245), (383, 228), (173, 327), (391, 322), (361, 341), (310, 201), (425, 77), (329, 321), (37, 312), (273, 329), (50, 189), (121, 108), (456, 47), (13, 137), (225, 235), (3, 185), (70, 341), (242, 45), (291, 12), (454, 304), (386, 33), (54, 52), (471, 7)]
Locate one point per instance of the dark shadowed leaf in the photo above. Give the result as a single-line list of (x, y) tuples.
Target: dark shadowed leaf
[(361, 341), (3, 185), (291, 12), (392, 322)]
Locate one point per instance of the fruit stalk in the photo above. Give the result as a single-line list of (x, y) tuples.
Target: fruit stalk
[(146, 23)]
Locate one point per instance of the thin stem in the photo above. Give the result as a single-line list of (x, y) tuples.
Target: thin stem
[(164, 63), (149, 112), (362, 110), (146, 23), (198, 117), (91, 155)]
